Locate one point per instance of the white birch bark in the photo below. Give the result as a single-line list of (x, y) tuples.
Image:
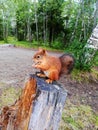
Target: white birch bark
[(95, 14), (92, 45), (36, 19)]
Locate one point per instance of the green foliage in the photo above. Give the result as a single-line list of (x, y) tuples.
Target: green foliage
[(57, 44), (53, 18), (80, 51), (95, 60), (49, 19)]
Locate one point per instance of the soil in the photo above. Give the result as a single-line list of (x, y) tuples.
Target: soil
[(16, 65)]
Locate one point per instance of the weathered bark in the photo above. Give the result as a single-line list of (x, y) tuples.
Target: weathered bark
[(39, 110), (16, 117), (48, 106), (36, 20), (51, 30), (92, 44)]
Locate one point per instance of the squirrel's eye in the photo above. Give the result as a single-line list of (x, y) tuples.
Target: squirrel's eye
[(38, 56)]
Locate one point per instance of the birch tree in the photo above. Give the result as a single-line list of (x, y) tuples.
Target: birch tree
[(6, 15), (36, 19), (95, 14)]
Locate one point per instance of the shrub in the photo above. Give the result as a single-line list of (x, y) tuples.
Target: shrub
[(80, 53)]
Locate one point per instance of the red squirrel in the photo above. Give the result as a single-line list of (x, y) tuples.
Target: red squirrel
[(51, 66)]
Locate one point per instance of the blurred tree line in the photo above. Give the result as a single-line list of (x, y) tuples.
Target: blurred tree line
[(52, 22)]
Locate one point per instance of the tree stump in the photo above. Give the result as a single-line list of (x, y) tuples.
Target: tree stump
[(39, 107)]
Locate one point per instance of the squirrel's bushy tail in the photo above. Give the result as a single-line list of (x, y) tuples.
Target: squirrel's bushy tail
[(67, 62)]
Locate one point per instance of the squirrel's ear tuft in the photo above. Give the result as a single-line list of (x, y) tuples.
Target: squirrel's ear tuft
[(42, 50)]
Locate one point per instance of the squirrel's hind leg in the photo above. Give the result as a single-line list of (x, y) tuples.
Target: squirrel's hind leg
[(53, 76)]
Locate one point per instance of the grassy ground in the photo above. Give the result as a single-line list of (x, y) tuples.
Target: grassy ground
[(74, 117), (85, 76), (78, 117)]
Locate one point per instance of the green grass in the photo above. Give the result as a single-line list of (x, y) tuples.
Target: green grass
[(85, 76), (26, 44), (95, 61), (78, 117), (2, 42)]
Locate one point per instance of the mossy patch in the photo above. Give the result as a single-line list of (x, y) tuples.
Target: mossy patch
[(9, 95)]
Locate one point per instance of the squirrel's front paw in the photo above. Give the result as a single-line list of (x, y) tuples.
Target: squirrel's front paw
[(49, 81), (38, 74), (41, 75)]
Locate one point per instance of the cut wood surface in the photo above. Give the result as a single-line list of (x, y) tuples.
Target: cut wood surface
[(38, 108)]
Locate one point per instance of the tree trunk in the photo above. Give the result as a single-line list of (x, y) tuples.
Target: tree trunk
[(5, 29), (36, 20), (44, 27), (50, 35), (29, 36), (95, 14), (92, 45), (35, 110), (50, 30)]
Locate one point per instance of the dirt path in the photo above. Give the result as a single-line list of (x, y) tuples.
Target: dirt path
[(15, 65)]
